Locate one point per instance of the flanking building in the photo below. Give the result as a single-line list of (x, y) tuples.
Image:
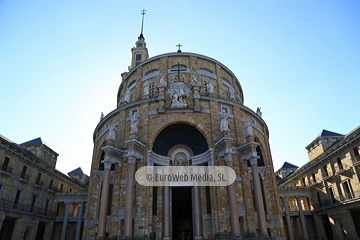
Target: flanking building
[(321, 199), (36, 200)]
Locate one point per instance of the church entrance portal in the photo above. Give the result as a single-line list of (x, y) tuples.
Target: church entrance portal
[(182, 213)]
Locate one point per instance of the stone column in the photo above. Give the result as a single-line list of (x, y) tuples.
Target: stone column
[(302, 218), (78, 223), (288, 221), (197, 215), (129, 201), (166, 213), (64, 226), (101, 234), (234, 215), (258, 197)]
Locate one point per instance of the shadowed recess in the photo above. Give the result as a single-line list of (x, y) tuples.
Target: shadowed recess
[(180, 134)]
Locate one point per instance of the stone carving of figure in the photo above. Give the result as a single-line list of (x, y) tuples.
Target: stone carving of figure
[(111, 133), (133, 124), (249, 128), (176, 97), (146, 88), (231, 92), (102, 116), (193, 79), (210, 87), (258, 112), (224, 124), (162, 80), (127, 96)]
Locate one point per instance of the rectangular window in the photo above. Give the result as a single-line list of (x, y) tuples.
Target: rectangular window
[(23, 172), (6, 164), (155, 199), (38, 178), (318, 198), (51, 183), (330, 191), (17, 198), (61, 187), (347, 189), (138, 57), (47, 206), (139, 45), (339, 163), (111, 188), (325, 171), (357, 154), (58, 209), (208, 200), (303, 181), (313, 177), (70, 189), (33, 202)]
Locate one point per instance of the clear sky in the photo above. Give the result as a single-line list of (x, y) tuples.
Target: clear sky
[(61, 63)]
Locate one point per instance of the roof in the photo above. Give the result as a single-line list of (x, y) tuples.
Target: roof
[(36, 141), (76, 171), (288, 165), (326, 133)]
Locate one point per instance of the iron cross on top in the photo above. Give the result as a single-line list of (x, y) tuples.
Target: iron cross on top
[(178, 70)]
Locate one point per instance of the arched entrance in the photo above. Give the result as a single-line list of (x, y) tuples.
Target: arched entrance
[(180, 142)]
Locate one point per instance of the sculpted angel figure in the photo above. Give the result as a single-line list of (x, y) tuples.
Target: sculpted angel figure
[(127, 96), (210, 86), (162, 80), (224, 124), (258, 112), (249, 128), (146, 88), (231, 92), (111, 133), (193, 79), (133, 124)]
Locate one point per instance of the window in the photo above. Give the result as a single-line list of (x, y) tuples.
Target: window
[(357, 154), (313, 177), (303, 181), (47, 205), (38, 179), (284, 171), (208, 200), (139, 45), (325, 171), (51, 183), (291, 171), (58, 209), (346, 185), (138, 57), (325, 140), (17, 198), (334, 139), (70, 189), (318, 198), (339, 163), (154, 205), (6, 164), (33, 202), (23, 172), (331, 194), (61, 187)]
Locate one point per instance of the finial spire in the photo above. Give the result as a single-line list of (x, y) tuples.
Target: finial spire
[(142, 24), (179, 46)]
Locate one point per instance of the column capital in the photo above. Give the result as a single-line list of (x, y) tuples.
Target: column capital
[(253, 160), (108, 161), (228, 157), (131, 159)]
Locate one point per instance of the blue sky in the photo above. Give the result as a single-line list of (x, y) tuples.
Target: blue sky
[(61, 63)]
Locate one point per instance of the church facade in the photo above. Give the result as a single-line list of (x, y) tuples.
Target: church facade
[(173, 109)]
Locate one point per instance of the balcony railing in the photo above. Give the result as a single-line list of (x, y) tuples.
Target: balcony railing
[(39, 184), (339, 169), (10, 205), (339, 199), (25, 177), (327, 175), (6, 168)]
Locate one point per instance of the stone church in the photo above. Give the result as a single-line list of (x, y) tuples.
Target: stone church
[(187, 108)]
